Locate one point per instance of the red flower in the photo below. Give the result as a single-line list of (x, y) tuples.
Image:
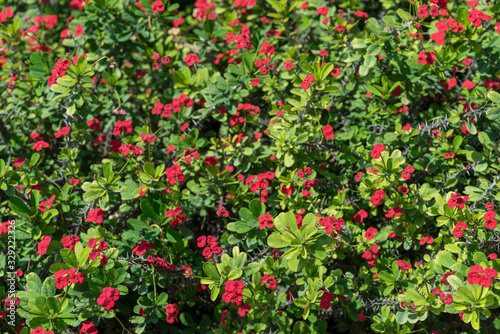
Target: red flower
[(191, 58), (361, 317), (326, 300), (18, 162), (370, 233), (377, 149), (467, 61), (172, 311), (306, 83), (289, 65), (360, 216), (328, 132), (322, 10), (450, 84), (377, 197), (469, 84), (39, 145), (446, 298), (266, 221), (43, 245), (211, 161), (450, 155), (96, 215), (426, 58), (78, 30)]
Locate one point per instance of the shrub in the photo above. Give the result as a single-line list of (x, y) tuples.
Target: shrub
[(249, 166)]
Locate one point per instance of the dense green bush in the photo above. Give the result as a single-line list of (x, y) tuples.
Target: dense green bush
[(249, 166)]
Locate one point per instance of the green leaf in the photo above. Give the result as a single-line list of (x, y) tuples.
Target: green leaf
[(257, 207), (494, 96), (37, 72), (445, 259), (148, 210), (285, 221), (289, 159), (210, 270), (464, 294), (455, 282), (246, 215), (34, 283), (53, 305), (215, 293), (276, 241), (17, 205), (150, 169), (69, 257), (235, 274), (49, 287), (493, 114)]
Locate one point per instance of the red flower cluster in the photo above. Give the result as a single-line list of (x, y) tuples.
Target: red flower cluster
[(266, 220), (477, 17), (222, 212), (40, 145), (123, 126), (236, 119), (406, 174), (43, 206), (172, 313), (95, 253), (446, 298), (489, 221), (70, 241), (96, 215), (211, 161), (306, 83), (360, 216), (426, 58), (62, 132), (450, 155), (43, 245), (377, 197), (457, 201), (191, 58), (289, 65), (88, 328), (377, 149), (444, 279), (404, 266), (459, 228), (108, 298), (61, 277), (425, 240), (371, 256), (38, 330), (142, 247), (212, 246), (59, 70), (482, 276), (270, 281), (157, 261), (177, 214), (233, 292), (328, 132), (288, 190), (174, 174), (370, 233), (331, 223), (252, 110), (394, 212), (326, 300), (94, 124)]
